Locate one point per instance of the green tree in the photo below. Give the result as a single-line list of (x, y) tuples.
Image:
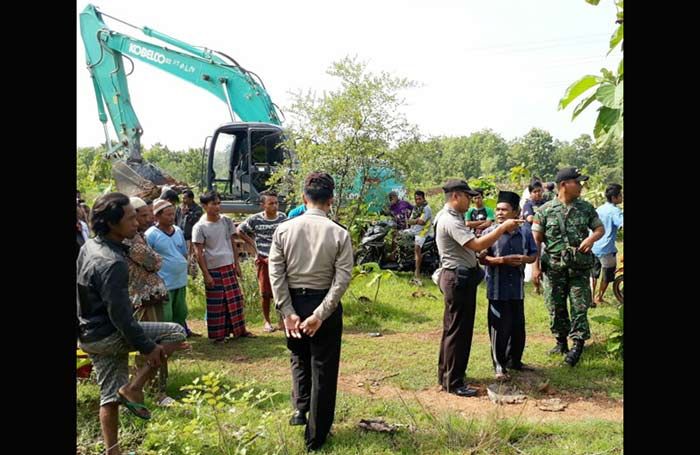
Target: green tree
[(609, 89), (493, 150), (578, 153), (184, 166), (536, 152), (421, 161), (348, 131), (93, 172), (607, 159)]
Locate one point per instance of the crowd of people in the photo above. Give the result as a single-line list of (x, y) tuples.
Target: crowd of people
[(555, 237), (132, 281)]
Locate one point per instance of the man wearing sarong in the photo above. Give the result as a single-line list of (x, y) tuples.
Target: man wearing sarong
[(217, 257)]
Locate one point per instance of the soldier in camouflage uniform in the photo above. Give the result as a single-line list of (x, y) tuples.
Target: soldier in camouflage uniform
[(549, 194), (562, 280)]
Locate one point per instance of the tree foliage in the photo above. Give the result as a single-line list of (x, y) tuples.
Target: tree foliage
[(348, 132), (609, 89)]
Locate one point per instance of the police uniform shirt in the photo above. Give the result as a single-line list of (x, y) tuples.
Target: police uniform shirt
[(451, 235), (310, 252)]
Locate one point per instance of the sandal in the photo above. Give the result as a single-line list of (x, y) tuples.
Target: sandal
[(248, 335), (166, 401), (138, 409)]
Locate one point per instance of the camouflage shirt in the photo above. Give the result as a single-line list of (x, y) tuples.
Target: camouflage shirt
[(549, 196), (579, 217)]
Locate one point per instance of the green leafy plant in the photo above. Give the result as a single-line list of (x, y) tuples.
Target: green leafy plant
[(609, 89), (375, 273), (615, 342), (221, 419)]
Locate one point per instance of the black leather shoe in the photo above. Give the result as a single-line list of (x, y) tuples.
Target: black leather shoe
[(574, 355), (519, 367), (464, 391), (298, 418)]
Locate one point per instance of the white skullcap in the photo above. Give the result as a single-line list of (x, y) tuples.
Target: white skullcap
[(137, 202)]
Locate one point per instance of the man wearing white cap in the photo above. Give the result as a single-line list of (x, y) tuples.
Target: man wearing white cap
[(168, 241), (146, 289)]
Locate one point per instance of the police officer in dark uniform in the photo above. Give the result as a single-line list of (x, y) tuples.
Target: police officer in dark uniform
[(458, 278), (311, 264)]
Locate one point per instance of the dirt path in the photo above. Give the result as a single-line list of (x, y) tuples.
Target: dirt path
[(436, 401), (578, 408)]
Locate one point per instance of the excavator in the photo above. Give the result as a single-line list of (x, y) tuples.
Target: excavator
[(240, 155)]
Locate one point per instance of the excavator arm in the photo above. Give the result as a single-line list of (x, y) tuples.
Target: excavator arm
[(106, 51)]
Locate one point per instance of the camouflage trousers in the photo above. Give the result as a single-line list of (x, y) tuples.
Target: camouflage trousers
[(559, 285)]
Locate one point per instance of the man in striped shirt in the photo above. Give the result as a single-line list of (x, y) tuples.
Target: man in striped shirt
[(506, 261), (261, 226)]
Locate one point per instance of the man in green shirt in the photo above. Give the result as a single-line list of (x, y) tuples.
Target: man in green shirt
[(480, 217)]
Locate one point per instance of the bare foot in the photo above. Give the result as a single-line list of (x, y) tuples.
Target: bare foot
[(169, 348), (502, 377), (131, 394)]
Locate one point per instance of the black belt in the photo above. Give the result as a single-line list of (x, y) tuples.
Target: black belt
[(307, 291)]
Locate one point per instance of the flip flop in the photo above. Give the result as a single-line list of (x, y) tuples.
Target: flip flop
[(248, 335), (167, 401), (269, 329), (136, 409)]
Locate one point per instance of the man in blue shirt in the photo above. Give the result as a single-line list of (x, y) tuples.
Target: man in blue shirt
[(296, 211), (604, 249), (168, 241), (505, 261), (535, 202)]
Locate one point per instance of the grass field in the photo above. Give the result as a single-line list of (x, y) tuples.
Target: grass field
[(392, 377)]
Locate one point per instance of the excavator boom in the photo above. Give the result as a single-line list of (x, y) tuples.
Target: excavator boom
[(221, 76)]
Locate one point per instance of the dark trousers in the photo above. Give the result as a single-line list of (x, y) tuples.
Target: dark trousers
[(315, 361), (457, 330), (507, 333)]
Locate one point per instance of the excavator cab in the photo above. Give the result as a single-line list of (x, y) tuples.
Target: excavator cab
[(241, 157)]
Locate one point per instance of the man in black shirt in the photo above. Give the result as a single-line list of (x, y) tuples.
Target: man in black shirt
[(107, 330), (190, 213)]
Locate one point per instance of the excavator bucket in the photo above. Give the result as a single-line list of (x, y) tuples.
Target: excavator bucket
[(143, 180)]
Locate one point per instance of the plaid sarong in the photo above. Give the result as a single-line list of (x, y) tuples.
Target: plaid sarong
[(224, 304)]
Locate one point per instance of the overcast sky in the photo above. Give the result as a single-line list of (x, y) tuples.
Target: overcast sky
[(499, 64)]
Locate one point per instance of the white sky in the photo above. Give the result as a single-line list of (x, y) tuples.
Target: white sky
[(500, 64)]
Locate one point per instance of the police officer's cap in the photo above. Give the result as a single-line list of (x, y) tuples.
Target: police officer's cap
[(458, 185), (511, 198), (570, 173)]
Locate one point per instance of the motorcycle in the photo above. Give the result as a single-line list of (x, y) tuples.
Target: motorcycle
[(373, 248), (618, 284)]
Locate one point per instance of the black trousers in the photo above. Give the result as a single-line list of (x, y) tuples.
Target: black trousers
[(507, 333), (457, 330), (315, 361)]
